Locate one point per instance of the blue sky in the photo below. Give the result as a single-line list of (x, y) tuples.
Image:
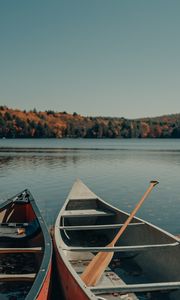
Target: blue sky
[(95, 57)]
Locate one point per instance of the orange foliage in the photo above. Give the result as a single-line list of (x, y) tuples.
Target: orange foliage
[(17, 123)]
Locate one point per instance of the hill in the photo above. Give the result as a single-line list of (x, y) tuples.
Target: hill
[(15, 123)]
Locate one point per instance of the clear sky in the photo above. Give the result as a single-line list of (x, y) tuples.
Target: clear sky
[(94, 57)]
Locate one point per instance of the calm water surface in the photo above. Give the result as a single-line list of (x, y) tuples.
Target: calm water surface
[(117, 170)]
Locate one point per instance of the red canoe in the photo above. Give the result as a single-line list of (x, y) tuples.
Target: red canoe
[(25, 249)]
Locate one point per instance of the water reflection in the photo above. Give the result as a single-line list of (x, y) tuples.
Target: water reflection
[(74, 156), (118, 176)]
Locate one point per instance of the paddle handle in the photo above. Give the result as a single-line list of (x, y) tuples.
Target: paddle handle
[(152, 184)]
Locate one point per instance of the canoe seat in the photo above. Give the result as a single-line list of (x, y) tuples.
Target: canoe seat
[(17, 277), (18, 230), (86, 213), (21, 250), (4, 225)]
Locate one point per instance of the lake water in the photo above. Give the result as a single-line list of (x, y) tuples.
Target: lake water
[(117, 170)]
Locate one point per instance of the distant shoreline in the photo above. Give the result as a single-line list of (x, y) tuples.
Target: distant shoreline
[(15, 123)]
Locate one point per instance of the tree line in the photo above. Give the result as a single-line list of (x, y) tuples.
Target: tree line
[(49, 124)]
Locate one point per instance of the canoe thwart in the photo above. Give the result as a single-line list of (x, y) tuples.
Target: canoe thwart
[(98, 227), (86, 213), (135, 288), (121, 248)]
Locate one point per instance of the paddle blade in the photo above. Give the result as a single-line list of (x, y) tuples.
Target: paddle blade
[(96, 268)]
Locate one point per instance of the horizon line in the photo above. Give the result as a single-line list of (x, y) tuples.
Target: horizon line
[(89, 116)]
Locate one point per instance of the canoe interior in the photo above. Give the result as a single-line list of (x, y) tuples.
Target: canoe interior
[(17, 213), (21, 254), (152, 265)]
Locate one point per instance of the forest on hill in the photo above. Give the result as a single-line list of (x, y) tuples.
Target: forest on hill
[(15, 123)]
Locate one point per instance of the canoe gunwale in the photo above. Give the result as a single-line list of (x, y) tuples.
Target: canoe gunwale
[(47, 257)]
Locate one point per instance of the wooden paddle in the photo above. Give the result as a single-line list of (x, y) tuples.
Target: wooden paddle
[(99, 263)]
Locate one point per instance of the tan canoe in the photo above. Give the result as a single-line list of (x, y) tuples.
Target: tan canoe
[(146, 259)]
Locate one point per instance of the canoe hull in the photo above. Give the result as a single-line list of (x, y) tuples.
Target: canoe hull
[(70, 287), (45, 292)]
